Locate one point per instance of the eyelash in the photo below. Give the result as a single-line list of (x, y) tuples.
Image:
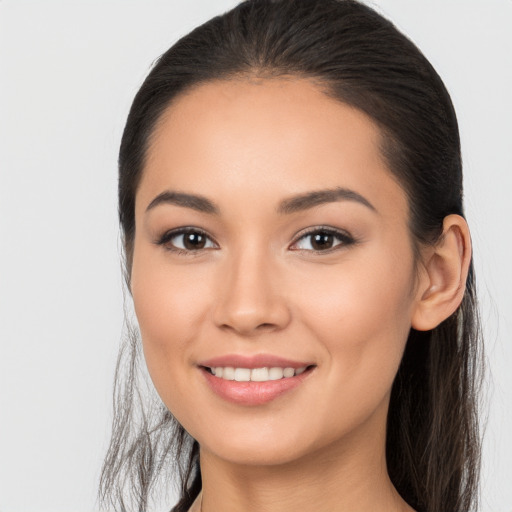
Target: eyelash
[(345, 238)]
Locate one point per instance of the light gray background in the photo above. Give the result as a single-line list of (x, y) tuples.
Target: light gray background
[(68, 72)]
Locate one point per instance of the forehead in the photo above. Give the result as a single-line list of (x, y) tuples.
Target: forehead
[(276, 136)]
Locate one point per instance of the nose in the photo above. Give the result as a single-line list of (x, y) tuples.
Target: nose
[(251, 298)]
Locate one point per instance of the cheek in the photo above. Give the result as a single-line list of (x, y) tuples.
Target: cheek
[(164, 304), (363, 315), (362, 318), (169, 307)]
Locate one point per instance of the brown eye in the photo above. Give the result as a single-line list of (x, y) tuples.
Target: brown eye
[(193, 241), (319, 240), (186, 240), (322, 241)]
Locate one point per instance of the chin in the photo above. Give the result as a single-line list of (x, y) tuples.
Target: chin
[(254, 454), (262, 446)]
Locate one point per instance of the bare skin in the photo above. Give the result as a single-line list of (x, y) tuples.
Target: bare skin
[(257, 282)]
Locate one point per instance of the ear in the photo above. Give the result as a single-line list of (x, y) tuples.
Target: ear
[(443, 277)]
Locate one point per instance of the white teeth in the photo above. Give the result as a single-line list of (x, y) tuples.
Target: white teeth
[(255, 374), (259, 374), (242, 374), (288, 372), (275, 373), (228, 373)]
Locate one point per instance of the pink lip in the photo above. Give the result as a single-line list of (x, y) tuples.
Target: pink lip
[(254, 361), (252, 393)]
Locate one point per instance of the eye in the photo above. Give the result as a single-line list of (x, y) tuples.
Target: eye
[(186, 240), (322, 240)]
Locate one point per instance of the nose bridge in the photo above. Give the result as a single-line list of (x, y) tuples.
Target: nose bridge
[(250, 298)]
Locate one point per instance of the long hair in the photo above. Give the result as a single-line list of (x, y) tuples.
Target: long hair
[(361, 59)]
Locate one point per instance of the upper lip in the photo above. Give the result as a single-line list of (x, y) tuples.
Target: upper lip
[(253, 361)]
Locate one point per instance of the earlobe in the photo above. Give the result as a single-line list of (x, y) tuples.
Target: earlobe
[(443, 282)]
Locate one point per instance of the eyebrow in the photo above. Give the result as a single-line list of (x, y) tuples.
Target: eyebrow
[(196, 202), (316, 198), (288, 206)]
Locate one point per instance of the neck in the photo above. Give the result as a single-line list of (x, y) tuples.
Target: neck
[(349, 475)]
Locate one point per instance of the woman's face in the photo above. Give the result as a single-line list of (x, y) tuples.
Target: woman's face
[(270, 234)]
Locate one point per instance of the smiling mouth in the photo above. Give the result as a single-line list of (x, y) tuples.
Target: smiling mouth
[(264, 374), (257, 385)]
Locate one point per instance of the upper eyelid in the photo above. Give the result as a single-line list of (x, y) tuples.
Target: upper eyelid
[(320, 229), (340, 233), (167, 235)]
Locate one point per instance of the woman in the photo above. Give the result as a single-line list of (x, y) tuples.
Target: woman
[(290, 196)]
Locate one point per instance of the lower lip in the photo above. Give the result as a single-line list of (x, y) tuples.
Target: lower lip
[(253, 393)]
